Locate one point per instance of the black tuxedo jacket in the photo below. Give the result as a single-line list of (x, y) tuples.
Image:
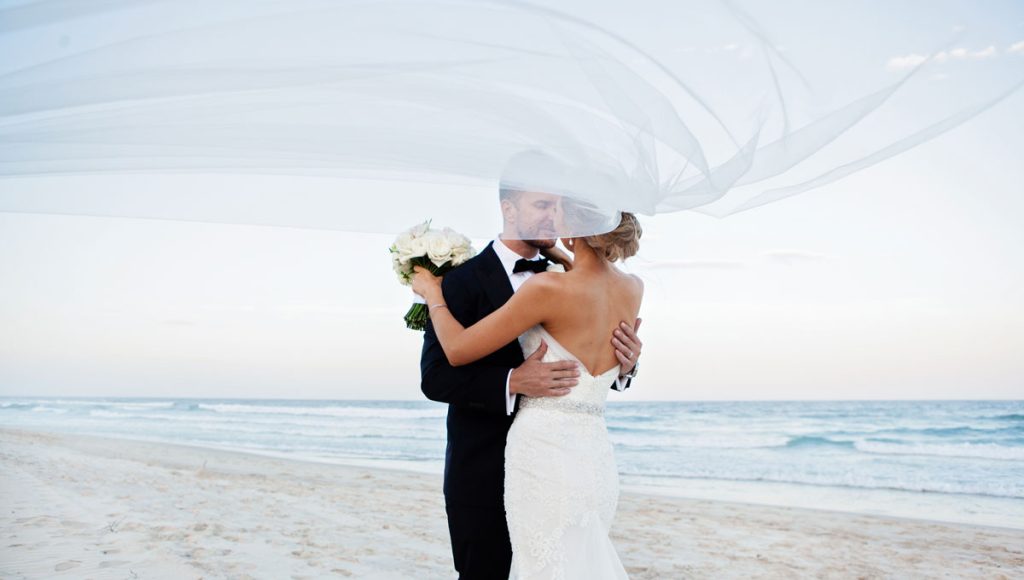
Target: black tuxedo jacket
[(474, 467)]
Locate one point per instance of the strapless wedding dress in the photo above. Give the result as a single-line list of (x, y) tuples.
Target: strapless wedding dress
[(561, 482)]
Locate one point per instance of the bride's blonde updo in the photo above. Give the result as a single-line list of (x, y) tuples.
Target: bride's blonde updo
[(620, 243)]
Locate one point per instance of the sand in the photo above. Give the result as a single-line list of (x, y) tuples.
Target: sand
[(92, 507)]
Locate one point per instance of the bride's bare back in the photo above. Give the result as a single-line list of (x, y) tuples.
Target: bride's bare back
[(592, 303)]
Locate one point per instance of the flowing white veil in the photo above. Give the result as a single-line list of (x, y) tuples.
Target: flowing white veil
[(371, 115)]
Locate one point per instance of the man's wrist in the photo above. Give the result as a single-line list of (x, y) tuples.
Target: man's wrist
[(632, 373), (435, 297)]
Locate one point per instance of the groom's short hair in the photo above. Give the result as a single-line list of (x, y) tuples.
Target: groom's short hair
[(508, 193)]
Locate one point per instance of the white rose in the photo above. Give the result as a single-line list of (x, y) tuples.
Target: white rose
[(420, 229), (403, 239), (407, 252), (404, 248), (460, 255), (402, 270), (455, 239), (438, 249), (417, 247), (462, 247)]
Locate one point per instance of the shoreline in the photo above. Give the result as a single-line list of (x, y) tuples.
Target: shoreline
[(179, 510), (795, 495)]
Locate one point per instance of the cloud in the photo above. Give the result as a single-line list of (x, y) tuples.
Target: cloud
[(790, 257), (985, 52), (908, 61), (961, 54), (1016, 47)]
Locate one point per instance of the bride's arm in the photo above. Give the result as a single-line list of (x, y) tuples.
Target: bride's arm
[(529, 306)]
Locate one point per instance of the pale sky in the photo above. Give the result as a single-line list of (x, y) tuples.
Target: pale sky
[(902, 281)]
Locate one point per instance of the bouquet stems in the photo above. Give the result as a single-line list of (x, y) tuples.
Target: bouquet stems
[(416, 318)]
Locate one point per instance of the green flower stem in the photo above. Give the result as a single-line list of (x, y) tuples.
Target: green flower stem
[(416, 318)]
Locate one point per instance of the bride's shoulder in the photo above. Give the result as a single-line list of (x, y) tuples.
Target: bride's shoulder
[(636, 283), (629, 278), (549, 279), (546, 287)]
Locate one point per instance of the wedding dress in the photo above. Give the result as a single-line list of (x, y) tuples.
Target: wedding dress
[(561, 481)]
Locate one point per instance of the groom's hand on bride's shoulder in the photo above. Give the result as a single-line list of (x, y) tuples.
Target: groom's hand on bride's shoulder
[(627, 346), (534, 378)]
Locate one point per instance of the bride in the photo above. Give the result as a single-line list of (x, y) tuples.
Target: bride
[(561, 482)]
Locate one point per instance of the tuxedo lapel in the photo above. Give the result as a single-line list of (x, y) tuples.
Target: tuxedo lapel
[(493, 278)]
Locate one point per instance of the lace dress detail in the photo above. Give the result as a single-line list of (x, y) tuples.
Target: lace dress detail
[(561, 481)]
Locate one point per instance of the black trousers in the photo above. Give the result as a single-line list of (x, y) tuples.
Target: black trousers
[(480, 543)]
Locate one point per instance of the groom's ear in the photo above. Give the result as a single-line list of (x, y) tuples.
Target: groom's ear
[(508, 211)]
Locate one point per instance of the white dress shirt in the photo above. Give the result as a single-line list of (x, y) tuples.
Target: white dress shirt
[(508, 261)]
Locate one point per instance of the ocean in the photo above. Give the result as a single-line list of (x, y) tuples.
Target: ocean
[(960, 461)]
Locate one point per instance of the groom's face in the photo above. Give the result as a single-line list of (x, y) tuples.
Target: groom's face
[(531, 216)]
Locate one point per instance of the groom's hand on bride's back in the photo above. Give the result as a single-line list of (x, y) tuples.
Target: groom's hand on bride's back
[(627, 345), (534, 378)]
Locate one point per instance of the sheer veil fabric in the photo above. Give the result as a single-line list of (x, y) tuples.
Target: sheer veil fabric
[(358, 115)]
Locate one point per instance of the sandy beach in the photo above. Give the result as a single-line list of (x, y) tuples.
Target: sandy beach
[(95, 507)]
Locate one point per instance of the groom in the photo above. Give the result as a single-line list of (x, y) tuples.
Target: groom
[(482, 397)]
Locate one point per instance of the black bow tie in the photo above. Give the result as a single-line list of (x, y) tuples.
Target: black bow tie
[(535, 266)]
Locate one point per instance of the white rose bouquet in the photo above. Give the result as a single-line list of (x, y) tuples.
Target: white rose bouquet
[(437, 250)]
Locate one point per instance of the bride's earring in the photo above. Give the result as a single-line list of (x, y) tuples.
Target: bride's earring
[(570, 244)]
